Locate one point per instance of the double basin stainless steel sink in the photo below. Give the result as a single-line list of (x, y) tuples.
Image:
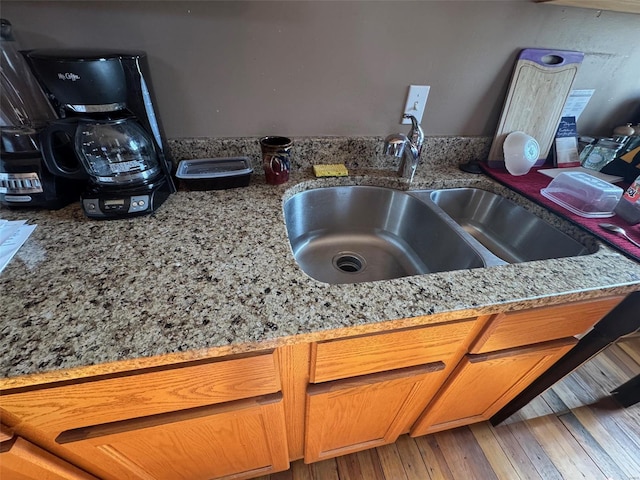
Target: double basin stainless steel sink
[(353, 234)]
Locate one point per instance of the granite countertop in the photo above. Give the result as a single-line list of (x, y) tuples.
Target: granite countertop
[(211, 273)]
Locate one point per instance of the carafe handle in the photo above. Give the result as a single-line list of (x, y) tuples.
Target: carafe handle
[(47, 136)]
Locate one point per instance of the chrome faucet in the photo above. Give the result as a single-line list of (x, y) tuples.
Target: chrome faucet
[(407, 148)]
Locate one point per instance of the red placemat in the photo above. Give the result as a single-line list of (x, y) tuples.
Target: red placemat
[(529, 185)]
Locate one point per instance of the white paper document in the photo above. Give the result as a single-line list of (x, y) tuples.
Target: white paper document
[(13, 234), (576, 103)]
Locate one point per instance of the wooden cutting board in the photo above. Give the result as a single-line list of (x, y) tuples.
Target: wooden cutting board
[(540, 84)]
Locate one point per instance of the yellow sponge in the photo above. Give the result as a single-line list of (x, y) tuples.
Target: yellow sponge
[(336, 170)]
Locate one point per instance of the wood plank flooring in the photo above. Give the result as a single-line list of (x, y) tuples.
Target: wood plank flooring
[(572, 431)]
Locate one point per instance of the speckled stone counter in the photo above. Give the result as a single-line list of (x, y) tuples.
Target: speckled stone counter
[(211, 273)]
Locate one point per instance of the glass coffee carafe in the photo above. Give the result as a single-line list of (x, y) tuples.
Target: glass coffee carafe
[(110, 152)]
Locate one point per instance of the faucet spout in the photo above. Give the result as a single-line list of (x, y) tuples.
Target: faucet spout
[(416, 134), (407, 148)]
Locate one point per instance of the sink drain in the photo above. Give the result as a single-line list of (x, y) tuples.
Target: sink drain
[(349, 262)]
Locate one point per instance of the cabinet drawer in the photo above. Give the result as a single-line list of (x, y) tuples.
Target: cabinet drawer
[(514, 329), (350, 357), (146, 392), (234, 440)]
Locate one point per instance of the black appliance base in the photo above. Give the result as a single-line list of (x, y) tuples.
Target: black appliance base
[(109, 205)]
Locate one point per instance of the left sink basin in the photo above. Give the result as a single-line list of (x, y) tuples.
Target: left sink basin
[(361, 234)]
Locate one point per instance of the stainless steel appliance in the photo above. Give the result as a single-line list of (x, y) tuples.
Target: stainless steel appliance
[(107, 110), (24, 112)]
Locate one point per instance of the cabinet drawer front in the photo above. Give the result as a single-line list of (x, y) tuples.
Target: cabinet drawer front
[(335, 359), (145, 393), (514, 329), (241, 439)]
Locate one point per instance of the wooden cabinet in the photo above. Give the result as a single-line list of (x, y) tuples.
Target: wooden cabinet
[(484, 383), (201, 420), (22, 460), (370, 389), (241, 439), (345, 416), (511, 351), (248, 415)]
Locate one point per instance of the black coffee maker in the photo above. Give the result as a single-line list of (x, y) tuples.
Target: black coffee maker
[(24, 113), (106, 108)]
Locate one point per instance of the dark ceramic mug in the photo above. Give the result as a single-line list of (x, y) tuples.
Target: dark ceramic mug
[(276, 159)]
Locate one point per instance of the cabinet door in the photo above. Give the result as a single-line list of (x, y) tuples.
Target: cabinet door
[(240, 439), (345, 416), (22, 460), (482, 384)]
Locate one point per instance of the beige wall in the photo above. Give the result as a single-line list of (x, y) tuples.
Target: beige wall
[(342, 68)]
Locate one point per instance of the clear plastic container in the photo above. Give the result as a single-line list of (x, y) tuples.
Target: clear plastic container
[(628, 207), (583, 194), (600, 154)]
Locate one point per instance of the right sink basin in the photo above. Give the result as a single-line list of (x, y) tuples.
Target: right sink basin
[(509, 231)]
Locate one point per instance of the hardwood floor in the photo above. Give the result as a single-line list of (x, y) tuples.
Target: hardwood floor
[(572, 431)]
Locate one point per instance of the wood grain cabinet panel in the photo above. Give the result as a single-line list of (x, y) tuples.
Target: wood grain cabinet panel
[(22, 460), (362, 355), (346, 416), (218, 418), (514, 329), (144, 393), (241, 439), (482, 384)]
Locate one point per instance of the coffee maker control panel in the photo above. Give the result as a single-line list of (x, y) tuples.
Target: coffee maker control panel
[(116, 207)]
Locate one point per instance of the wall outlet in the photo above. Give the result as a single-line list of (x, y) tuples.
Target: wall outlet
[(416, 101)]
